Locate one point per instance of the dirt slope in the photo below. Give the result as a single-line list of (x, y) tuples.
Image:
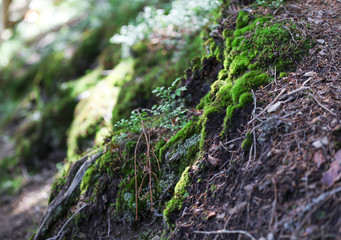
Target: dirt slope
[(286, 186)]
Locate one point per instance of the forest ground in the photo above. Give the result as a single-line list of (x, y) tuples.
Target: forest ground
[(292, 168)]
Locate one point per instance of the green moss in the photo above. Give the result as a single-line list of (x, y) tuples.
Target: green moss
[(176, 202), (227, 33), (189, 130), (239, 64), (88, 179), (246, 144), (248, 81), (242, 20), (250, 51), (283, 74)]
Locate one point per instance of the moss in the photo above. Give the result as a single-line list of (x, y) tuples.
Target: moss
[(227, 33), (92, 113), (250, 50), (246, 144), (248, 81), (242, 19), (154, 68), (283, 74), (189, 130), (239, 64), (88, 179), (176, 202)]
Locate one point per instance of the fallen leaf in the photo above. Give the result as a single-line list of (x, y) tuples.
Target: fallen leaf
[(319, 158), (213, 160), (210, 214), (197, 211), (238, 208), (334, 172)]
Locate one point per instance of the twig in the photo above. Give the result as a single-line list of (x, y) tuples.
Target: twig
[(108, 226), (163, 194), (294, 92), (148, 163), (233, 140), (136, 194), (250, 157), (321, 198), (60, 231), (292, 36), (227, 232), (274, 204), (325, 108), (273, 101), (253, 124)]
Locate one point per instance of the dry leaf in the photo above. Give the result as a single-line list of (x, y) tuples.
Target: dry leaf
[(319, 159), (334, 172), (197, 211), (213, 160), (238, 208), (210, 214)]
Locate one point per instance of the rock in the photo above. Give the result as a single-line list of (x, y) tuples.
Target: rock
[(274, 107), (321, 41), (322, 53), (317, 144), (320, 142), (309, 74), (270, 236)]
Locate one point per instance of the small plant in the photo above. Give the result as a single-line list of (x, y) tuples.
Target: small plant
[(270, 3), (134, 121), (170, 106), (171, 109)]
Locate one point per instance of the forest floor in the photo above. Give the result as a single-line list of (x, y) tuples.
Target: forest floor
[(20, 214), (286, 186)]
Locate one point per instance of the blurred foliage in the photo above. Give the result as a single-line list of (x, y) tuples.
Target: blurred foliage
[(66, 83)]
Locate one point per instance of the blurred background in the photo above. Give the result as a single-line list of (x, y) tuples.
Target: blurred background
[(70, 69)]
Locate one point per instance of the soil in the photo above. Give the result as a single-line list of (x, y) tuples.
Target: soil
[(20, 214), (283, 187), (286, 186)]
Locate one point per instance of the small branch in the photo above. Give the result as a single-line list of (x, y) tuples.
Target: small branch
[(108, 226), (294, 92), (227, 232), (325, 108), (61, 230), (321, 198), (135, 160), (273, 101), (233, 140), (292, 36), (253, 124), (274, 204)]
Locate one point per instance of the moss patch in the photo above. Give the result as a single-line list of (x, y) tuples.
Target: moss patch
[(175, 204)]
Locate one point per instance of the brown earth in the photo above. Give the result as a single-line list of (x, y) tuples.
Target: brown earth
[(21, 214), (286, 186)]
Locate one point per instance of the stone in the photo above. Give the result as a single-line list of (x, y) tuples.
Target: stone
[(274, 107)]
